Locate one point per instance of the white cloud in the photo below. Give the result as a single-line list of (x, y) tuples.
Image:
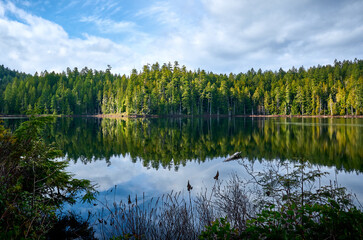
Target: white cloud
[(216, 35), (38, 44), (133, 176), (25, 3), (162, 12), (123, 171), (2, 11), (110, 26), (237, 35)]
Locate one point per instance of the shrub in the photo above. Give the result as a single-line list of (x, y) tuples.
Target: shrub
[(219, 229), (34, 184)]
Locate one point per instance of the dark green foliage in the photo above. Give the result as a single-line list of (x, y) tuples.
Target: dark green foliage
[(69, 227), (219, 229), (6, 77), (336, 221), (328, 221), (322, 90), (34, 184)]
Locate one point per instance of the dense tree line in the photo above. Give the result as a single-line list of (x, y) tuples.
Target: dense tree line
[(171, 89), (7, 76)]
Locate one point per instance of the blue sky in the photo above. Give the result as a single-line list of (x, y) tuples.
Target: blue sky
[(216, 35)]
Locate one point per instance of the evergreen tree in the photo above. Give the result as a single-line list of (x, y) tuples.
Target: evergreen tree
[(173, 89)]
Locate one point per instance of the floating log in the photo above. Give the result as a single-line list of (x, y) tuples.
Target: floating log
[(235, 156)]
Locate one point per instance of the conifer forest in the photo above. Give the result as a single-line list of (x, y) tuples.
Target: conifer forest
[(171, 89)]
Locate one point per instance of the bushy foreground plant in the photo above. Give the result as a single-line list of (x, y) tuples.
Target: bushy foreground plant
[(71, 226), (219, 229), (328, 221), (289, 205), (34, 184)]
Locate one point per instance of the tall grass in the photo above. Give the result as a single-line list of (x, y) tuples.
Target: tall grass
[(184, 216)]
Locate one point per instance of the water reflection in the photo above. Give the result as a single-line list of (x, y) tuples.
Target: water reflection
[(172, 142), (156, 156)]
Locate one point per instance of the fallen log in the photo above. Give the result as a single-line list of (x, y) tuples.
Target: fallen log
[(235, 156)]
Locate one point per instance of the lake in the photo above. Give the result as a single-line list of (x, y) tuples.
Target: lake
[(154, 156)]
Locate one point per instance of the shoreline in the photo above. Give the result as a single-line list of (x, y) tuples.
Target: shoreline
[(125, 116)]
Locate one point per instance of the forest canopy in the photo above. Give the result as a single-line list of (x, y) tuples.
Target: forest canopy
[(173, 90)]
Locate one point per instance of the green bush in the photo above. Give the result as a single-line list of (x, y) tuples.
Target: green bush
[(71, 226), (316, 221), (34, 184), (219, 229)]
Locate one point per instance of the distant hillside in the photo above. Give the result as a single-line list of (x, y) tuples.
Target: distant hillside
[(172, 90)]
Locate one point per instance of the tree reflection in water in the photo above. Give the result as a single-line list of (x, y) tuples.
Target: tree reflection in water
[(172, 142)]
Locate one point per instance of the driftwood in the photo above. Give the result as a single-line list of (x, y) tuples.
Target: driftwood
[(235, 156)]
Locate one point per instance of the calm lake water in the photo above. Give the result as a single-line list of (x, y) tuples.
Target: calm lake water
[(156, 156)]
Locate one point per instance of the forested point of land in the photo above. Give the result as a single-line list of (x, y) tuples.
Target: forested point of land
[(173, 90)]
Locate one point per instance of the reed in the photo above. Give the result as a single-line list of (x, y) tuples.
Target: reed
[(181, 215)]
